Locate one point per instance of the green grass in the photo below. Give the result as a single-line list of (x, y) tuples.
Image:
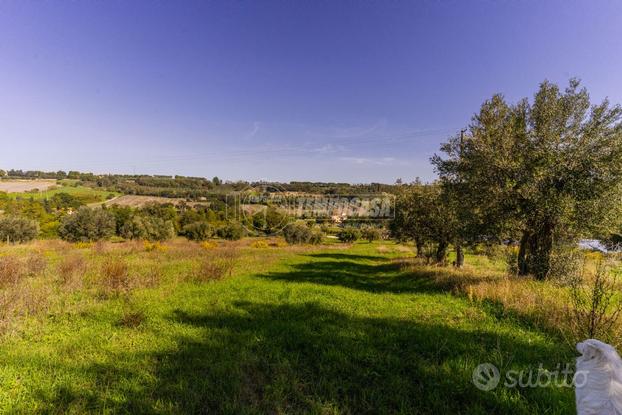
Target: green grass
[(84, 193), (295, 330)]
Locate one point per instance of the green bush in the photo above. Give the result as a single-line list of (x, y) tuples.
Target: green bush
[(231, 231), (371, 234), (316, 237), (150, 228), (17, 229), (158, 229), (296, 233), (349, 234), (197, 231), (87, 225)]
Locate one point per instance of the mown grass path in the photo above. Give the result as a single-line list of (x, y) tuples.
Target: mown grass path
[(326, 330)]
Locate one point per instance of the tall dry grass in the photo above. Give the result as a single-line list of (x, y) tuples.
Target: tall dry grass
[(541, 303), (12, 271), (548, 305), (217, 264), (114, 277), (71, 271)]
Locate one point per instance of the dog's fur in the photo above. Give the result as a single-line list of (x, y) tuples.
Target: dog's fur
[(599, 379)]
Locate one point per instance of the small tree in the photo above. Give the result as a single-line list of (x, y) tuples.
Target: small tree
[(424, 214), (297, 233), (232, 231), (197, 231), (349, 234), (86, 225), (158, 229), (371, 233), (17, 229)]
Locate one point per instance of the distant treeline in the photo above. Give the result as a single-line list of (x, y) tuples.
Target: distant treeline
[(192, 188)]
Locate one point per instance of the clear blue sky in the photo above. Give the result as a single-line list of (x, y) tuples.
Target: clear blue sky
[(354, 91)]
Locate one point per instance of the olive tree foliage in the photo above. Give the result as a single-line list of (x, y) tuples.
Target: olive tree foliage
[(424, 215), (297, 233), (540, 172), (15, 229), (150, 228), (87, 225)]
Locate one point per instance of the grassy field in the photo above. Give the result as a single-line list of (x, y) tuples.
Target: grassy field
[(87, 195), (139, 201), (332, 329)]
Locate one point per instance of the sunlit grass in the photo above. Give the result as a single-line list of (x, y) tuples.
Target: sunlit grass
[(330, 329)]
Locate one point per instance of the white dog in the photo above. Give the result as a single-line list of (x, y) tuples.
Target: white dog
[(598, 380)]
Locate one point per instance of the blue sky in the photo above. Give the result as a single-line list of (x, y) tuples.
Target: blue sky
[(354, 91)]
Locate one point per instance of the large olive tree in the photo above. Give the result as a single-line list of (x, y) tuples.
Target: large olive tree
[(546, 169)]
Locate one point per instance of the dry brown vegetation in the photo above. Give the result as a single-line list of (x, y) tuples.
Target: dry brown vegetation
[(544, 304), (115, 277), (71, 270), (42, 275), (217, 265)]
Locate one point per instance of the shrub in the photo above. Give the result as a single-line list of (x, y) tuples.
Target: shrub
[(83, 245), (231, 231), (349, 234), (71, 270), (495, 251), (87, 225), (154, 247), (197, 231), (596, 305), (11, 271), (149, 227), (115, 276), (36, 264), (316, 237), (17, 229), (297, 233), (208, 245), (158, 229), (133, 228), (371, 234), (217, 266), (260, 244)]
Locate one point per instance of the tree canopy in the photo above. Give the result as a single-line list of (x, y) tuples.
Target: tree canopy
[(542, 171)]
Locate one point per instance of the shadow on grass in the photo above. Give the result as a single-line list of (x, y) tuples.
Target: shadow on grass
[(350, 257), (344, 270), (259, 358), (389, 277)]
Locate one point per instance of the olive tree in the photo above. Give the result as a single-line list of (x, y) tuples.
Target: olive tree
[(87, 224), (539, 171), (425, 215), (16, 229)]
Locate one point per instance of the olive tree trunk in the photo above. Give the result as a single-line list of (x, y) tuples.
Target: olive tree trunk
[(459, 255)]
